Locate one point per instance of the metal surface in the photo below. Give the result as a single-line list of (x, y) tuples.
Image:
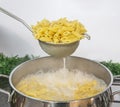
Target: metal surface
[(47, 63), (104, 99), (59, 50), (4, 98), (15, 17), (116, 91)]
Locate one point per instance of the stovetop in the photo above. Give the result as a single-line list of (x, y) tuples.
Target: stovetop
[(115, 87), (117, 97)]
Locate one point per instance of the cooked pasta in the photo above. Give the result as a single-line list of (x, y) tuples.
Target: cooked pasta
[(60, 31), (61, 85)]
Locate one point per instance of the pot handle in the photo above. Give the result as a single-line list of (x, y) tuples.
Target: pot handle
[(116, 82), (5, 86)]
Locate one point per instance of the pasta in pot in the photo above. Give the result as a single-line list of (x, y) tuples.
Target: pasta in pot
[(60, 31), (61, 85)]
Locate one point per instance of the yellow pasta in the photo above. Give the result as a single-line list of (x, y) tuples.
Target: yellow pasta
[(59, 31), (61, 85)]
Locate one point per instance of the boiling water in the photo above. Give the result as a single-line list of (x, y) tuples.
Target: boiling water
[(61, 85)]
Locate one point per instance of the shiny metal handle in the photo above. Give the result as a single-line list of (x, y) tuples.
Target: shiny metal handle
[(113, 95), (116, 81), (87, 36), (4, 86), (16, 18)]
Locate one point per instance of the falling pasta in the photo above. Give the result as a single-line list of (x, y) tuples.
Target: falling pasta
[(60, 31)]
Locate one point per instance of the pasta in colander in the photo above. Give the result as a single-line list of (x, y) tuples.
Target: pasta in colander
[(60, 31)]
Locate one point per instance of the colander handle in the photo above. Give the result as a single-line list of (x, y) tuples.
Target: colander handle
[(87, 36), (116, 82), (5, 86), (15, 17)]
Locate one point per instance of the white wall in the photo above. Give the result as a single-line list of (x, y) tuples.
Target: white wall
[(100, 17)]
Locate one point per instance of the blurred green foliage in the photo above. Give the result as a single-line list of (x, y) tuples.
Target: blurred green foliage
[(8, 63), (114, 67)]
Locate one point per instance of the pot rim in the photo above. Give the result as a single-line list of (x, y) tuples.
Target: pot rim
[(52, 101)]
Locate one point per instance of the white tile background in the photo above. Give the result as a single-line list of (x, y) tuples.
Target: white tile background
[(100, 17)]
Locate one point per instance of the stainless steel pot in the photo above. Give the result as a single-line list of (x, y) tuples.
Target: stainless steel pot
[(18, 99)]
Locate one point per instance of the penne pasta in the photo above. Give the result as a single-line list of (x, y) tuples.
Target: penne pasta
[(60, 31)]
